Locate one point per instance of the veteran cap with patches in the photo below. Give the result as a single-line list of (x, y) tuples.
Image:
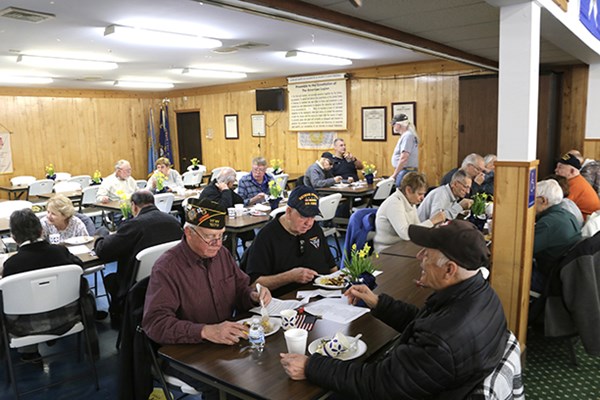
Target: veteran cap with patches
[(205, 213), (304, 200), (571, 160)]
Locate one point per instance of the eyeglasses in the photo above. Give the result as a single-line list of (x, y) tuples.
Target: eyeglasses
[(468, 187), (259, 169), (210, 241), (301, 243), (476, 167)]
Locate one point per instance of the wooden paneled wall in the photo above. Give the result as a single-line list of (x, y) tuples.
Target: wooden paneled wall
[(574, 102), (80, 131)]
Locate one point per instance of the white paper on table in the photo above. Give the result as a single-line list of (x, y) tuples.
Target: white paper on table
[(336, 310), (276, 306), (80, 249), (302, 294)]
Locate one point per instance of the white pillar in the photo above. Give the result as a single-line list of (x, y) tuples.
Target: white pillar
[(592, 119), (518, 82)]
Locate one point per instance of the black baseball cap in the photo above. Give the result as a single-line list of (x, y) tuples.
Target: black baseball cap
[(328, 156), (460, 241), (571, 160), (304, 200), (399, 118)]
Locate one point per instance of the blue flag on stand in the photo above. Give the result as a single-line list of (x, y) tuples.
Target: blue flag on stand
[(165, 137), (152, 153), (590, 17)]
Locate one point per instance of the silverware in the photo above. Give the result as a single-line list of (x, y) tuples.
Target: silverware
[(263, 310)]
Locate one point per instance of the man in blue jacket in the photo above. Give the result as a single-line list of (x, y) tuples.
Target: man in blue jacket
[(446, 349)]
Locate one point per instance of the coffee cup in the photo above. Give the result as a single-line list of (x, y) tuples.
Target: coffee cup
[(337, 345), (239, 210), (296, 340), (54, 238), (231, 212), (288, 319)]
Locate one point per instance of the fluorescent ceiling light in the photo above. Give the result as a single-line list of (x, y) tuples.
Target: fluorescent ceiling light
[(209, 73), (65, 63), (152, 37), (33, 80), (314, 58), (144, 85)]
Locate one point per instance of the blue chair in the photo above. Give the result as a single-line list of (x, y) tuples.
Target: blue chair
[(362, 221)]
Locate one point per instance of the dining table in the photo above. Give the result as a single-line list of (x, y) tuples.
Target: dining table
[(404, 248), (248, 374), (15, 192), (349, 190)]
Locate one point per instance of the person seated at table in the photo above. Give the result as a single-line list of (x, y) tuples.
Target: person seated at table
[(345, 164), (172, 179), (318, 175), (120, 180), (556, 231), (221, 191), (291, 249), (590, 170), (474, 166), (147, 228), (489, 171), (60, 220), (196, 288), (445, 349), (399, 211), (567, 203), (580, 190), (451, 198), (36, 253), (254, 187)]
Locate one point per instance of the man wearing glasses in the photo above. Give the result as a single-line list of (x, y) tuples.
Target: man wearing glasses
[(120, 180), (474, 166), (450, 198), (254, 187), (291, 249)]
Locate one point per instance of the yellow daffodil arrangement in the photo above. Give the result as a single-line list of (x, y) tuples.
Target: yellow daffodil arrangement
[(50, 172), (124, 204), (275, 188), (277, 166), (160, 181), (97, 177), (480, 201), (359, 262), (195, 163), (369, 169)]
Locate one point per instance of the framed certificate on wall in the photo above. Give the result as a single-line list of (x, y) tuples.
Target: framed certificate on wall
[(373, 123), (231, 126)]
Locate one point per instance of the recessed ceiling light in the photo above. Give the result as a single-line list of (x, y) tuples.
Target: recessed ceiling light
[(210, 73), (152, 37), (65, 63), (314, 58), (144, 85)]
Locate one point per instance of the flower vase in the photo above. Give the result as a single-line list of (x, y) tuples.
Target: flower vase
[(274, 203), (53, 176), (365, 278), (195, 167), (479, 221), (163, 190), (369, 178)]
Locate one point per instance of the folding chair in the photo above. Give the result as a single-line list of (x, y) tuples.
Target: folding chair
[(328, 206), (46, 290), (164, 201), (8, 207), (83, 180)]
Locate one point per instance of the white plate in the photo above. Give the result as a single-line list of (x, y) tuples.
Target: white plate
[(319, 281), (361, 348), (79, 240), (341, 185), (275, 323), (257, 213)]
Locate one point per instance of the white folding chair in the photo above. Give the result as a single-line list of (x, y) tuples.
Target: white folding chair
[(215, 173), (282, 180), (8, 207), (146, 258), (383, 191), (83, 180), (66, 186), (164, 201), (141, 184), (41, 186), (62, 176), (192, 178), (328, 206), (240, 174), (23, 180), (41, 291), (277, 211)]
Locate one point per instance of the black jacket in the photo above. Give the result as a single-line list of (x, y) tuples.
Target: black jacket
[(445, 350), (226, 198), (149, 228)]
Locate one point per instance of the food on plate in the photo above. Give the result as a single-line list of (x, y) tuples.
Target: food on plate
[(337, 280), (266, 324)]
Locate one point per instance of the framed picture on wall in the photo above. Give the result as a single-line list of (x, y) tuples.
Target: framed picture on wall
[(373, 123), (258, 125), (409, 108), (231, 126)]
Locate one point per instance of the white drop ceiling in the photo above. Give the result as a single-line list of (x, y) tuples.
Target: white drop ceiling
[(77, 31)]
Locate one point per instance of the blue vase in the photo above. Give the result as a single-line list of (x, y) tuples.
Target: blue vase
[(274, 203), (365, 278), (369, 178)]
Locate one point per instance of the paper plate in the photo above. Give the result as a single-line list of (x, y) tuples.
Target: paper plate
[(361, 348), (275, 323), (79, 240)]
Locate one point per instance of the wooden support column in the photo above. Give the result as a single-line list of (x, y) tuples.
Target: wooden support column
[(512, 233)]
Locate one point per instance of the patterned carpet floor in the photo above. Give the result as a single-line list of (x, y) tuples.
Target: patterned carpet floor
[(549, 374)]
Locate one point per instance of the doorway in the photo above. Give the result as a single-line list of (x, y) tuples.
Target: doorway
[(188, 138)]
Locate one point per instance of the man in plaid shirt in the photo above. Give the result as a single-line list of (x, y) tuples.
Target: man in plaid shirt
[(254, 187)]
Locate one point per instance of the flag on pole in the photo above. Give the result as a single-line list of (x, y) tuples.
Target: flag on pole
[(152, 152), (165, 137)]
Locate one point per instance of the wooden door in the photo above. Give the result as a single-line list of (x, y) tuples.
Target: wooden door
[(188, 138)]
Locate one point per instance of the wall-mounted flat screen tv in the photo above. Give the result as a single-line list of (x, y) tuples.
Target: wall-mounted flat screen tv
[(270, 99)]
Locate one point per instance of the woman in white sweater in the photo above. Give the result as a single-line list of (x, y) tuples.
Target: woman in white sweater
[(400, 210)]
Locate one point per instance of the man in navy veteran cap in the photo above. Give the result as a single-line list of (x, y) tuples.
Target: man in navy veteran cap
[(291, 249), (196, 286), (446, 348)]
